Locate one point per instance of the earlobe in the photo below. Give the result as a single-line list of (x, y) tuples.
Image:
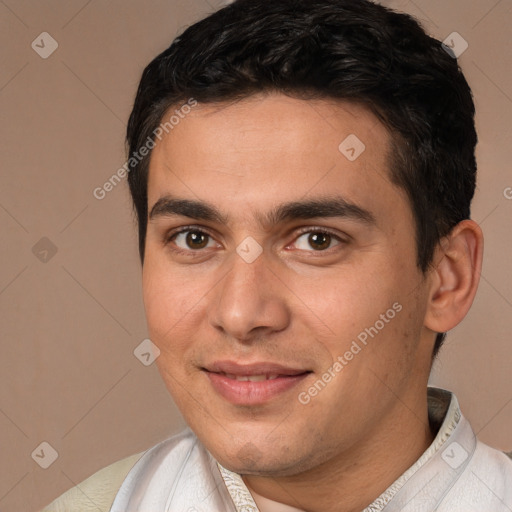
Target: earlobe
[(455, 276)]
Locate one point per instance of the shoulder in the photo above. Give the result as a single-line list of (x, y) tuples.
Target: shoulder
[(493, 466), (486, 483), (172, 459), (176, 474), (96, 492)]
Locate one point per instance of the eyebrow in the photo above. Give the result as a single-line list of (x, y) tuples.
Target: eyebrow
[(328, 207)]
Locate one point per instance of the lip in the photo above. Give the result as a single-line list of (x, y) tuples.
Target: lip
[(249, 392), (258, 368)]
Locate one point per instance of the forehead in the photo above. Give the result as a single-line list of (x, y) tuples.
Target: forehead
[(265, 149)]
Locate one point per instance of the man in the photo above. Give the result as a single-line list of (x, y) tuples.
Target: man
[(302, 172)]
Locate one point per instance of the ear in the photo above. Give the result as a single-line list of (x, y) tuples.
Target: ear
[(455, 276)]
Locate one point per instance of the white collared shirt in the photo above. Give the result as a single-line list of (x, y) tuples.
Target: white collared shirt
[(457, 473)]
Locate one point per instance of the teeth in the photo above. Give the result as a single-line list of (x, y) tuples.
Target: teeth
[(251, 378), (255, 378)]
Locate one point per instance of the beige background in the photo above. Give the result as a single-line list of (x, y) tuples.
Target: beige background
[(70, 325)]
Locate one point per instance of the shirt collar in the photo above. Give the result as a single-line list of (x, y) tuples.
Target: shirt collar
[(418, 489)]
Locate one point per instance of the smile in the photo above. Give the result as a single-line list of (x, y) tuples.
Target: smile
[(251, 378), (253, 384)]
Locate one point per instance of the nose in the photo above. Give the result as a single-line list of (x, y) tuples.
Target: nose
[(250, 302)]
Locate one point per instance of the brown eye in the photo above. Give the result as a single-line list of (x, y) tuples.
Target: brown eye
[(196, 240), (319, 241), (316, 240), (193, 240)]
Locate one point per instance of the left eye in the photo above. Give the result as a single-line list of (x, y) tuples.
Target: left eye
[(316, 240)]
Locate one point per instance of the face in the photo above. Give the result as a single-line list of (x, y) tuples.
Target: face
[(280, 281)]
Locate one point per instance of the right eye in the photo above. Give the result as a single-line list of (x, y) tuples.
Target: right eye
[(192, 240)]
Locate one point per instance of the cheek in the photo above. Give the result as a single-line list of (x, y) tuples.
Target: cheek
[(170, 301), (374, 309), (351, 300)]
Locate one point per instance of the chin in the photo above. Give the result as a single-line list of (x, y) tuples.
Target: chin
[(264, 468), (251, 459)]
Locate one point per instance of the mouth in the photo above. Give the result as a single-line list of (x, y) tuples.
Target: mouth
[(253, 384), (250, 378)]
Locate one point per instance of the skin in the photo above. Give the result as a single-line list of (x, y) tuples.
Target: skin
[(297, 304)]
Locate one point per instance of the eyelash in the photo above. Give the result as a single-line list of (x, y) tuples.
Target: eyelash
[(185, 229), (324, 231)]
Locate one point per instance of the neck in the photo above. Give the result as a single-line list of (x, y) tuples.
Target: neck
[(352, 480)]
